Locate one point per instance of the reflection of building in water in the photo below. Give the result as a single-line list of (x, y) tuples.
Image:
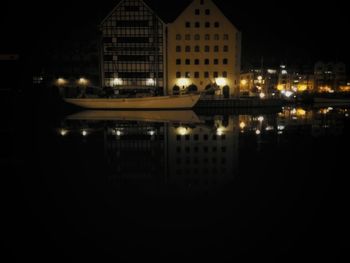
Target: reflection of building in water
[(205, 156), (136, 151)]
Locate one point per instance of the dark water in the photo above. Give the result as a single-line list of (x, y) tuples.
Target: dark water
[(244, 186)]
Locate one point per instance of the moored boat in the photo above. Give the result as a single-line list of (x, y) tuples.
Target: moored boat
[(146, 103)]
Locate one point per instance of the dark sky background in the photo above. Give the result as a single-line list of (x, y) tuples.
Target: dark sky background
[(288, 31)]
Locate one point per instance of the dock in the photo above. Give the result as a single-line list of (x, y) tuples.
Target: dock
[(239, 103)]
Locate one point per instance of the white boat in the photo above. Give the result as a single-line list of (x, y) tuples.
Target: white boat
[(146, 103), (181, 116)]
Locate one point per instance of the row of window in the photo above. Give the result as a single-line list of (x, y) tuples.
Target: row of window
[(196, 148), (214, 160), (196, 75), (197, 61), (198, 24), (197, 12), (206, 37), (198, 49)]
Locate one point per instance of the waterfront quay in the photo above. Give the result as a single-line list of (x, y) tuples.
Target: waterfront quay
[(239, 103)]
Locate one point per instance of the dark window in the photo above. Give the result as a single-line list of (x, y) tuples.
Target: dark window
[(196, 75), (108, 58), (132, 8), (178, 37), (207, 49), (197, 37), (187, 37), (206, 137), (216, 74), (216, 37), (197, 49), (225, 61), (188, 49), (216, 61), (226, 37), (131, 23), (197, 25), (216, 24), (178, 62), (206, 61), (178, 74), (178, 48), (207, 24), (188, 62), (225, 48), (196, 137), (188, 24), (207, 12), (133, 40), (187, 75), (206, 74), (207, 37), (127, 58), (202, 2), (107, 40), (197, 12), (216, 49), (224, 74), (196, 61)]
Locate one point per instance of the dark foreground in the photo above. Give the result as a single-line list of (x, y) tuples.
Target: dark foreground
[(271, 189)]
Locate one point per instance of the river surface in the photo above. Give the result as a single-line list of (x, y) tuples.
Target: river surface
[(179, 186)]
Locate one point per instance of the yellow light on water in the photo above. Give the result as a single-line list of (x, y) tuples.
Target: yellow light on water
[(280, 87), (302, 88), (242, 125), (300, 112)]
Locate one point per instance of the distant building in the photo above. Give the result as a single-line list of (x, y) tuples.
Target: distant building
[(204, 51), (330, 77), (133, 56)]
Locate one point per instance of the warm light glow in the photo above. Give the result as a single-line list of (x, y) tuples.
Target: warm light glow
[(326, 89), (262, 95), (220, 132), (242, 125), (258, 132), (183, 131), (221, 81), (280, 87), (300, 112), (152, 133), (118, 133), (117, 81), (63, 132), (284, 72), (281, 127), (183, 82), (288, 94), (302, 88), (244, 82), (82, 81), (261, 118), (84, 133), (345, 88), (150, 82), (61, 82)]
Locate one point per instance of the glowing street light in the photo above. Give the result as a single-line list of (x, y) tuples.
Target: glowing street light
[(117, 82), (262, 95), (150, 82), (63, 132), (244, 82), (84, 133), (242, 125), (221, 81), (61, 82)]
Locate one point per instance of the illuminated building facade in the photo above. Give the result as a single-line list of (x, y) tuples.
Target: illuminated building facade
[(330, 77), (204, 51), (133, 49)]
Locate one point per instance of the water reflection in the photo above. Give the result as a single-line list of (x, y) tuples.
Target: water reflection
[(181, 152)]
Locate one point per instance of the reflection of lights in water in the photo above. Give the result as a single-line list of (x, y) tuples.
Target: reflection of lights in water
[(280, 132), (63, 132), (293, 111), (84, 133), (269, 128), (281, 127), (288, 94), (261, 118), (183, 131), (118, 133), (301, 112), (242, 125), (262, 95), (258, 132), (347, 115)]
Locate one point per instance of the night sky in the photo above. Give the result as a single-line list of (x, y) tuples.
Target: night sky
[(288, 31)]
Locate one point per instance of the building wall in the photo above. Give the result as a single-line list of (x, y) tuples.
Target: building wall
[(188, 67), (133, 48)]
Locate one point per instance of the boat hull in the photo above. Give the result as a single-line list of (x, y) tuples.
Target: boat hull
[(154, 103)]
